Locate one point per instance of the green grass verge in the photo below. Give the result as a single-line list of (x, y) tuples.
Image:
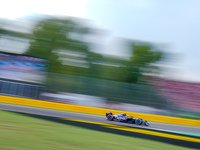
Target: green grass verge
[(18, 132)]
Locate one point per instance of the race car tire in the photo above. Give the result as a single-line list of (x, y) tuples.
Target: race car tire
[(138, 121), (108, 113), (146, 123), (110, 117)]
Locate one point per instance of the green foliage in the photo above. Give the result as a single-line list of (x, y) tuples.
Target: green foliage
[(50, 35), (15, 34), (94, 69), (142, 61)]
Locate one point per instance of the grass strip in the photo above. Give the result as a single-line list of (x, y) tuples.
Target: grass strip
[(19, 132)]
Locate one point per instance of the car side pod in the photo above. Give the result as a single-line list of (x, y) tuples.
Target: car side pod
[(133, 120)]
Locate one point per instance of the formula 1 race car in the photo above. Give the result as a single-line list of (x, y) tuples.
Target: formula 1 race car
[(126, 119)]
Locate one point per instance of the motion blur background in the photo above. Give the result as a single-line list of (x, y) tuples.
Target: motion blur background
[(133, 55)]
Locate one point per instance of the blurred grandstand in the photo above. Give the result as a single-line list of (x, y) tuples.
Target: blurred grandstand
[(183, 96)]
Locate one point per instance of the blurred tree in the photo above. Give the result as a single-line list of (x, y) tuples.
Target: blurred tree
[(143, 59), (51, 35), (15, 34), (94, 62), (111, 68)]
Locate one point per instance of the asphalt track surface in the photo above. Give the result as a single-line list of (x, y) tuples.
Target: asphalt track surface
[(71, 117), (97, 118)]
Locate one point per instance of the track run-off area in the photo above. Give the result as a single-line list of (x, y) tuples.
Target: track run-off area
[(183, 135)]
